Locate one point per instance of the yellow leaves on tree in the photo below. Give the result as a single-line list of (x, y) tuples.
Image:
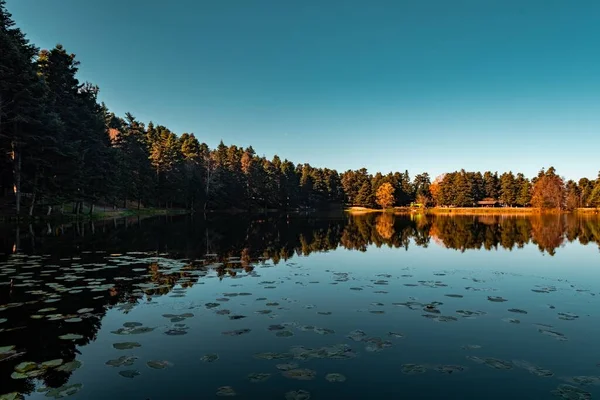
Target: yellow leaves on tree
[(385, 195)]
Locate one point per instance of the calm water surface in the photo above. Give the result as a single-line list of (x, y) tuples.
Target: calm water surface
[(286, 307)]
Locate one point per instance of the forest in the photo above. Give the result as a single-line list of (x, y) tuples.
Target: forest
[(61, 150)]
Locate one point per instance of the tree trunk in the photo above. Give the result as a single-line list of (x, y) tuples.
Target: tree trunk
[(92, 208), (16, 158), (49, 210), (33, 197), (32, 206), (139, 203)]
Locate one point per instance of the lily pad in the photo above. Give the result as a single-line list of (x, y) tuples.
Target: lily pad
[(154, 364), (449, 369), (52, 363), (70, 366), (236, 332), (297, 395), (129, 373), (26, 366), (258, 377), (123, 361), (209, 357), (553, 334), (496, 299), (225, 391), (11, 396), (64, 391), (71, 336), (85, 310), (517, 311), (286, 367), (571, 393), (301, 374), (126, 345), (335, 377), (412, 369)]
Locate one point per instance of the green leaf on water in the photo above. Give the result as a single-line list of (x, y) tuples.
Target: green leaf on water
[(129, 373), (71, 336), (52, 363), (126, 345), (70, 366), (158, 364)]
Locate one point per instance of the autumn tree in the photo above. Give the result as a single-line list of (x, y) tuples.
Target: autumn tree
[(385, 195), (548, 191)]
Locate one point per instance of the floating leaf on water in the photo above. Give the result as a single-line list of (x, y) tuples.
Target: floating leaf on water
[(258, 377), (396, 335), (286, 367), (26, 366), (209, 357), (456, 296), (379, 312), (263, 312), (584, 380), (356, 288), (556, 335), (176, 332), (496, 299), (324, 331), (52, 363), (73, 320), (236, 332), (307, 328), (70, 366), (571, 393), (449, 369), (211, 305), (533, 369), (129, 373), (122, 361), (492, 362), (126, 345), (18, 375), (273, 356), (154, 364), (225, 391), (71, 336), (64, 391), (297, 395), (511, 320), (236, 317), (335, 377), (357, 335), (324, 312), (85, 310), (11, 396), (6, 349), (276, 327), (567, 316), (412, 369), (301, 374), (470, 314), (284, 333)]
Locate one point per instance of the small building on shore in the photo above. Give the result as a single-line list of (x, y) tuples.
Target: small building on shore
[(488, 202)]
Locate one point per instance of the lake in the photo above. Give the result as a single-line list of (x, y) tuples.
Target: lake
[(297, 307)]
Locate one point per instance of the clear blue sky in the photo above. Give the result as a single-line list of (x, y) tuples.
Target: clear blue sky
[(390, 85)]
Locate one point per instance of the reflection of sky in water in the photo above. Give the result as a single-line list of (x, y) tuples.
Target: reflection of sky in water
[(511, 275)]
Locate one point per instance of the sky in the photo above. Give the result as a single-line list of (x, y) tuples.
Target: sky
[(431, 86)]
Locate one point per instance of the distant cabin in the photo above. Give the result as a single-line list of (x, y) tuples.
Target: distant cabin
[(488, 203)]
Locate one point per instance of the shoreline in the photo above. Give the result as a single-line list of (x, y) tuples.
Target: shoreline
[(470, 211)]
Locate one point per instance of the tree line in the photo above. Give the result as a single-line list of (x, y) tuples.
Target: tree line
[(62, 150)]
